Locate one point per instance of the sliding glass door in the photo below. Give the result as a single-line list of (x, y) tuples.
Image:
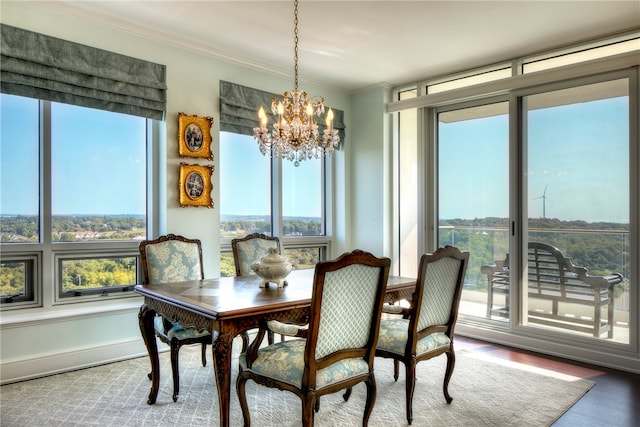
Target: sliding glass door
[(473, 196), (576, 196), (561, 264)]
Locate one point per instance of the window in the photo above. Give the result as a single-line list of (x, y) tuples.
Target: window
[(473, 192), (581, 54), (19, 177), (74, 200), (576, 142), (536, 160), (274, 197), (302, 202), (17, 278), (245, 187), (471, 78)]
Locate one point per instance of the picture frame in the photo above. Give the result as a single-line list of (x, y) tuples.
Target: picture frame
[(194, 136), (195, 185)]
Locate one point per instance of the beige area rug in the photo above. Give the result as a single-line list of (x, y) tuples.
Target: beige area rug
[(485, 392)]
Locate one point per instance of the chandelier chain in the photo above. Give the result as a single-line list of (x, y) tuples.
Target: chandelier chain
[(295, 39)]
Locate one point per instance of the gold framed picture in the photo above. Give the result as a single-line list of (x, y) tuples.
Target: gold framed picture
[(194, 136), (195, 185)]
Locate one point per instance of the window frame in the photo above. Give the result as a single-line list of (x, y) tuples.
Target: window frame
[(33, 267), (604, 68), (45, 288), (322, 243)]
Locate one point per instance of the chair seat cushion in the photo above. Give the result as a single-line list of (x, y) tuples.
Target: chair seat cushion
[(394, 334), (284, 361), (177, 331)]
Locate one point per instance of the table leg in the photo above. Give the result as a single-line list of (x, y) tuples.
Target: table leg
[(221, 349), (145, 319)]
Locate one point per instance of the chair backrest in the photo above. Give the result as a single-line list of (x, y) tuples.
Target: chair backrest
[(250, 249), (171, 258), (345, 311), (438, 289)]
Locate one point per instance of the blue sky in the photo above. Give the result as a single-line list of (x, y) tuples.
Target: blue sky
[(98, 160), (247, 172), (578, 153)]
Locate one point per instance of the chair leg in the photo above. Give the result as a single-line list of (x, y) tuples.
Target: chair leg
[(204, 354), (242, 399), (410, 385), (175, 348), (451, 363), (270, 337), (489, 296), (347, 394), (371, 399), (309, 402), (396, 369)]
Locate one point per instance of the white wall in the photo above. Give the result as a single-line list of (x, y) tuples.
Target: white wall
[(51, 339), (370, 169)]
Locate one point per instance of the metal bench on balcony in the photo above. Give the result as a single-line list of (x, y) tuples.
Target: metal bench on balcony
[(552, 277)]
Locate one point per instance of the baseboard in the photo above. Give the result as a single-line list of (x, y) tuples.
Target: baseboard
[(594, 356), (41, 365)]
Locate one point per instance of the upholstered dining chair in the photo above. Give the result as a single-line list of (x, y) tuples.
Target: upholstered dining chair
[(426, 328), (337, 348), (250, 249), (173, 258), (246, 251)]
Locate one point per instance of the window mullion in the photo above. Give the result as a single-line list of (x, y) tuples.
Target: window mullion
[(276, 197)]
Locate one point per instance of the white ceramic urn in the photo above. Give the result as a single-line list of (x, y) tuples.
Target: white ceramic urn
[(273, 268)]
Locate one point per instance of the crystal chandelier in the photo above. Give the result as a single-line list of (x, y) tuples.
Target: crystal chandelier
[(295, 135)]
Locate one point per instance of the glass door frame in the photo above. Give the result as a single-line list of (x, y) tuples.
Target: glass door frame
[(513, 332), (520, 209)]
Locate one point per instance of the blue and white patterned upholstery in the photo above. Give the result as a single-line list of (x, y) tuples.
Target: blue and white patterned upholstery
[(250, 250), (347, 304), (438, 290), (284, 361), (173, 261), (177, 331), (394, 334)]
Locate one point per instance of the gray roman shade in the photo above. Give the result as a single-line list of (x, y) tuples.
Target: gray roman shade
[(239, 107), (38, 66)]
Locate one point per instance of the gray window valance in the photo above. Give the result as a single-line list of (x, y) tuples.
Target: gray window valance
[(239, 107), (38, 66)]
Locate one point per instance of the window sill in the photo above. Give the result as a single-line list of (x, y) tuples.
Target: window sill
[(44, 315)]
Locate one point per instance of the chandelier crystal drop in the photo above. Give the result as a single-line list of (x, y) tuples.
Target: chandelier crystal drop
[(295, 135)]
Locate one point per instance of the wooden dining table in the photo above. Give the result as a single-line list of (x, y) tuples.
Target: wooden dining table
[(228, 306)]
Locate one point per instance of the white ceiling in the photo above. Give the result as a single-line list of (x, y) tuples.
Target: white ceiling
[(356, 44)]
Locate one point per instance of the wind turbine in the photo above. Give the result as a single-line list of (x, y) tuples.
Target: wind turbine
[(544, 202)]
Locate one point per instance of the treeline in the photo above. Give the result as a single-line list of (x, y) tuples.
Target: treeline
[(23, 228), (545, 223), (300, 258), (98, 273), (602, 248), (230, 228)]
